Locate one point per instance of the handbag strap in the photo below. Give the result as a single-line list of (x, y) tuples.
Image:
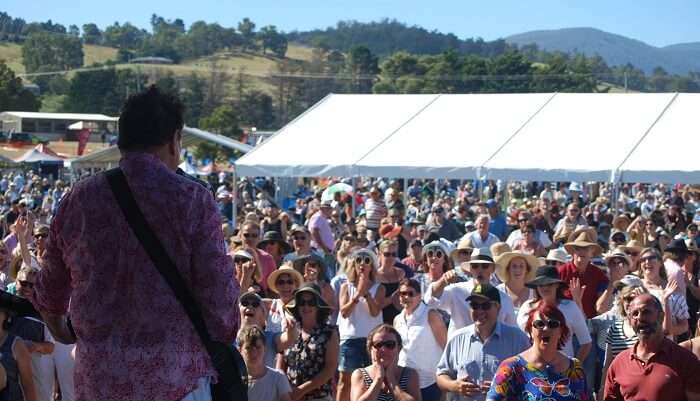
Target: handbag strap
[(155, 250)]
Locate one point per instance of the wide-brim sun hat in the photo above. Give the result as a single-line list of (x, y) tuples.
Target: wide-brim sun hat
[(499, 248), (618, 253), (274, 236), (503, 260), (481, 256), (310, 288), (584, 238), (545, 275), (284, 269), (299, 262), (557, 255), (633, 246)]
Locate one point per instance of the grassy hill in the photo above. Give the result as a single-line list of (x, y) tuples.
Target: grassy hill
[(257, 66)]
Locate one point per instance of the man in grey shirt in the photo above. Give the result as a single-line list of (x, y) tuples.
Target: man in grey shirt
[(473, 353)]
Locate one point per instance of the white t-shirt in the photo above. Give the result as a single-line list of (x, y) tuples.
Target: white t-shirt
[(270, 387)]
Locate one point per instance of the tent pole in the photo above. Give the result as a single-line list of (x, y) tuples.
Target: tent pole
[(234, 192), (405, 193), (353, 200)]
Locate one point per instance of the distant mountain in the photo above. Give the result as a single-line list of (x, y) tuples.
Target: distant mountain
[(615, 49)]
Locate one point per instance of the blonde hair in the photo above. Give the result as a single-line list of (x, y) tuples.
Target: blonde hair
[(353, 277), (257, 274)]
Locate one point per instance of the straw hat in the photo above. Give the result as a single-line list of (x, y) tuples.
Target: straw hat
[(284, 269), (499, 248), (557, 255), (621, 219), (633, 246), (503, 260), (464, 243), (583, 238)]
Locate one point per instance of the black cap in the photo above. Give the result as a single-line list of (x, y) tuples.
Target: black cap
[(485, 291), (677, 246)]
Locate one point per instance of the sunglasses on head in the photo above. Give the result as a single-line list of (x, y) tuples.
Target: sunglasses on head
[(25, 283), (549, 323), (252, 304), (366, 260), (480, 305), (285, 282), (388, 344), (438, 254)]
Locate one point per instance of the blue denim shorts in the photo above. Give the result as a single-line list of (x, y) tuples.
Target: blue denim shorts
[(353, 355)]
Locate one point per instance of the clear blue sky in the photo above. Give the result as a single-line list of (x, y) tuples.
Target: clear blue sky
[(656, 22)]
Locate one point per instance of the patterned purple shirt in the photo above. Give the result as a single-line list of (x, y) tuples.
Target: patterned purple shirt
[(134, 340)]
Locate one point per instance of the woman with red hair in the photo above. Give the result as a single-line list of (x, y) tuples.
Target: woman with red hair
[(542, 371)]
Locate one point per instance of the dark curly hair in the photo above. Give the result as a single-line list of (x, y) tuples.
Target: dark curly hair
[(148, 119)]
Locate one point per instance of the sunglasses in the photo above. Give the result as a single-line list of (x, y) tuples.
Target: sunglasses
[(37, 236), (25, 283), (628, 299), (479, 266), (437, 254), (307, 302), (574, 210), (363, 260), (285, 282), (252, 304), (523, 220), (617, 261), (349, 239), (388, 344), (648, 258), (250, 235), (409, 294), (299, 238), (240, 260), (480, 305), (549, 323), (389, 254)]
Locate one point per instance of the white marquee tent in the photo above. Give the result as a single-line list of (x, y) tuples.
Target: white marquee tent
[(545, 137)]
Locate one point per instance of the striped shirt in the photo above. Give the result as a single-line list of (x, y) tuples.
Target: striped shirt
[(376, 211), (617, 339)]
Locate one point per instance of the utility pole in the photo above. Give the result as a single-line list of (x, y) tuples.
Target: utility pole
[(625, 74)]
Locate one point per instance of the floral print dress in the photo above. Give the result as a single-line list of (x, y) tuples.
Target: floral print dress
[(517, 380), (307, 358)]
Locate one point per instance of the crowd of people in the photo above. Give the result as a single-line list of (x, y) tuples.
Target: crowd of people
[(428, 291)]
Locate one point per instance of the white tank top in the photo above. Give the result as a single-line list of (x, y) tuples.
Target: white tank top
[(420, 350), (360, 322)]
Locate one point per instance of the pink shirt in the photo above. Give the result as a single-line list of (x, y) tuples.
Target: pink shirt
[(134, 340), (673, 269), (318, 220)]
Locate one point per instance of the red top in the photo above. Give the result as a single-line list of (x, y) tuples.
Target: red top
[(595, 280), (135, 341), (666, 376)]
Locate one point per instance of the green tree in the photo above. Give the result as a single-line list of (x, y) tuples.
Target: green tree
[(510, 72), (247, 29), (224, 121), (91, 34), (273, 40), (124, 36), (43, 48), (362, 66), (13, 96)]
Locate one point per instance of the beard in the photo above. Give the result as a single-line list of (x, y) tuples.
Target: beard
[(646, 329)]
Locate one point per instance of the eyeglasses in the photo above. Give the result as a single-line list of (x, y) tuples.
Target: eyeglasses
[(388, 344), (650, 258), (363, 260), (299, 237), (389, 254), (409, 294), (25, 283), (436, 254), (252, 304), (37, 236), (250, 235), (480, 305), (307, 302), (549, 323), (285, 282)]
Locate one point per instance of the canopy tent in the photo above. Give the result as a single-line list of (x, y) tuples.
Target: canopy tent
[(109, 157), (39, 154), (544, 137)]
